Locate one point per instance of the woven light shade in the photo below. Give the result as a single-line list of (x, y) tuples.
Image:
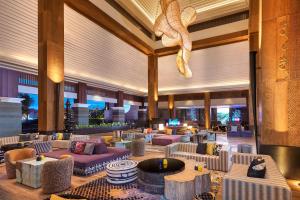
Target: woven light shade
[(172, 25)]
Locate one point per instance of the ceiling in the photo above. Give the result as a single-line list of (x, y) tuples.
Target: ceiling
[(95, 56), (146, 11), (214, 69)]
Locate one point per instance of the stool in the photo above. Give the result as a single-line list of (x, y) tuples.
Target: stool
[(138, 147)]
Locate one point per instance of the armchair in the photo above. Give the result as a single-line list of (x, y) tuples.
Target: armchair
[(12, 156)]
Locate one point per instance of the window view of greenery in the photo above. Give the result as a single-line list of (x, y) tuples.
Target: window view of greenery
[(223, 115), (96, 112)]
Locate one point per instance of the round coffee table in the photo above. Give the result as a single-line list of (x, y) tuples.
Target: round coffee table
[(121, 172), (151, 173)]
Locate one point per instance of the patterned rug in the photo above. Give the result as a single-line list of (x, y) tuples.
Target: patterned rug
[(100, 189)]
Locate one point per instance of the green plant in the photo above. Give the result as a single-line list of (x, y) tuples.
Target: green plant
[(101, 125), (25, 104)]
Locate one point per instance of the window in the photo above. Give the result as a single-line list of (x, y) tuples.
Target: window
[(223, 115), (126, 108), (93, 105), (29, 106)]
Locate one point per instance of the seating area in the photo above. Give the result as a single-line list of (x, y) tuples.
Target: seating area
[(149, 99)]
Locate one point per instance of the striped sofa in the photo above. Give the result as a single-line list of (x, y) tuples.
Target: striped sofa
[(9, 140), (188, 151), (237, 186), (65, 144)]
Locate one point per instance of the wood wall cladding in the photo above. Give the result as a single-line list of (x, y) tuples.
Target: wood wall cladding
[(120, 98), (207, 109), (8, 83), (280, 76), (51, 65), (213, 95), (81, 93), (152, 87), (207, 43)]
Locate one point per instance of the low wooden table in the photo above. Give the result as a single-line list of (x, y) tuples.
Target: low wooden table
[(29, 171), (184, 185)]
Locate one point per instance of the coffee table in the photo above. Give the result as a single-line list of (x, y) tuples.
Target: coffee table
[(121, 172), (29, 171), (188, 182), (151, 173), (123, 144)]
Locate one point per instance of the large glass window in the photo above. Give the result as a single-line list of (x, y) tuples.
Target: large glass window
[(93, 105), (223, 115), (29, 106)]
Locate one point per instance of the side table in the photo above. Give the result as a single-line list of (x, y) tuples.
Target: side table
[(187, 182), (29, 171)]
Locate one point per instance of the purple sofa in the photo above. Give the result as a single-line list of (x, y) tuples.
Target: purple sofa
[(89, 164), (246, 133), (166, 140)]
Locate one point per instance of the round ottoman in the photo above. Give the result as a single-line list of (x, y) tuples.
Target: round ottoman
[(121, 172), (138, 147)]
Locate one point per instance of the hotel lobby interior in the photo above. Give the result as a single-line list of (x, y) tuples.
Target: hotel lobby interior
[(150, 99)]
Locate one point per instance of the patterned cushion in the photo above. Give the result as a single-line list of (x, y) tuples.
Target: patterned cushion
[(204, 196), (210, 148), (72, 146), (66, 136), (42, 146), (217, 149), (54, 136), (79, 148), (89, 148)]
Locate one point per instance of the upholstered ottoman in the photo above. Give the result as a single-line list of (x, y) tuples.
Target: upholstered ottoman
[(166, 140), (138, 147), (121, 172)]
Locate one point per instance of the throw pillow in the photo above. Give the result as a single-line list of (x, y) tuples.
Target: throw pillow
[(217, 149), (169, 131), (79, 148), (210, 148), (201, 148), (60, 136), (89, 148), (100, 148), (66, 136), (257, 168), (73, 146), (54, 136)]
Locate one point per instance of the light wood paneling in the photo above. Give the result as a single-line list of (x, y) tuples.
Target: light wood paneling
[(152, 87), (51, 65), (207, 109)]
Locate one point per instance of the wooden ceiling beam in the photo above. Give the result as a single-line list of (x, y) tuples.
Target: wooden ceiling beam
[(207, 43), (92, 12)]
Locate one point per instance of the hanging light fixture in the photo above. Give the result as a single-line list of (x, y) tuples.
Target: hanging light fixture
[(171, 25)]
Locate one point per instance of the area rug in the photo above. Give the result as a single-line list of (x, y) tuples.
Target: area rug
[(100, 189), (155, 148)]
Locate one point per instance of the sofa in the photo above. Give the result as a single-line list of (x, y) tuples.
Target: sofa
[(246, 133), (272, 187), (65, 144), (188, 151), (89, 164), (166, 139)]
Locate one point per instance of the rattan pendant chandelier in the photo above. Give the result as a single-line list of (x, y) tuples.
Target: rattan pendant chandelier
[(171, 25)]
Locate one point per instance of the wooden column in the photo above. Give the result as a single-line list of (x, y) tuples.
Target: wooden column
[(255, 70), (51, 65), (280, 76), (207, 109), (120, 98), (81, 93), (152, 87), (171, 106)]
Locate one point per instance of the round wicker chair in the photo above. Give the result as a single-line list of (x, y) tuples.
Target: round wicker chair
[(138, 147)]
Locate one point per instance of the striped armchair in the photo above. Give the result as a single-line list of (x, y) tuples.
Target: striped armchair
[(9, 140), (188, 151)]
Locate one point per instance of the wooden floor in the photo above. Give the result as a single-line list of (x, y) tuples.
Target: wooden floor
[(10, 190)]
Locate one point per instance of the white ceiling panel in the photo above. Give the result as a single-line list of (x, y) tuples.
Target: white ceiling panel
[(214, 69), (91, 53)]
